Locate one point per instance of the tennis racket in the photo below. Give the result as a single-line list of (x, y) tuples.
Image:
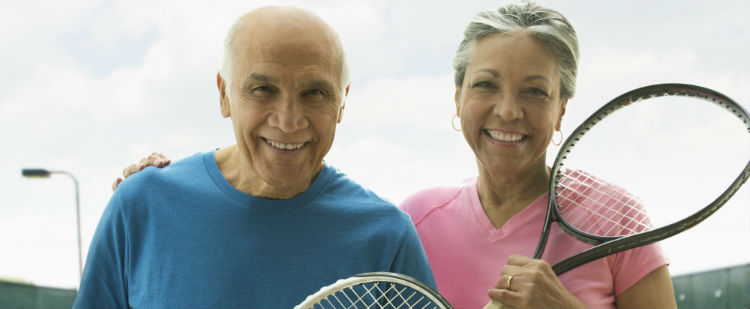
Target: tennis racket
[(376, 290), (682, 151)]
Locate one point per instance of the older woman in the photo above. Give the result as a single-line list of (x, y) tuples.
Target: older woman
[(515, 71)]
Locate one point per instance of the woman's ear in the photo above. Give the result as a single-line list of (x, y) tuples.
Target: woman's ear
[(457, 99), (563, 104)]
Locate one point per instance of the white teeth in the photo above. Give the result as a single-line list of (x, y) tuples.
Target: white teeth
[(505, 137), (284, 146)]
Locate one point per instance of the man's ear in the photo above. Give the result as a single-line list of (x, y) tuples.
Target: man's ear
[(563, 104), (223, 97), (341, 112), (343, 104)]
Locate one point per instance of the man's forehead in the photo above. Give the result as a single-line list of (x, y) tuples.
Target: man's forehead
[(271, 74), (282, 58), (278, 13), (273, 42), (279, 22), (291, 47), (269, 45)]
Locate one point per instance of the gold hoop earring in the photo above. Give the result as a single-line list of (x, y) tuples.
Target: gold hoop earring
[(453, 123), (559, 142)]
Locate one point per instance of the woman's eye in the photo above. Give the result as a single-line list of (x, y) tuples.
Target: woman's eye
[(537, 91), (483, 84)]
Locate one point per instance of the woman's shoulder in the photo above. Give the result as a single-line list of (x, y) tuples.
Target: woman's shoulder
[(423, 202)]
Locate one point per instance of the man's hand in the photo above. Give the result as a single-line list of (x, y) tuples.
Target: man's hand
[(155, 159)]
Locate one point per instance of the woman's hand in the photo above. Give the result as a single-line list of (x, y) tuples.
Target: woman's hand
[(155, 159), (530, 283)]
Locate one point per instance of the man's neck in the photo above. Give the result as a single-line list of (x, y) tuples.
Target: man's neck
[(237, 170)]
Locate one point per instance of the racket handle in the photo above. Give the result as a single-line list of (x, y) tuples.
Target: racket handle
[(493, 304)]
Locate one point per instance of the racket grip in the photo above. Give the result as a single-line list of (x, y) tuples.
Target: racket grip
[(493, 304)]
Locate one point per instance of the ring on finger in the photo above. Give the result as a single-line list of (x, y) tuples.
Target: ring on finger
[(510, 279)]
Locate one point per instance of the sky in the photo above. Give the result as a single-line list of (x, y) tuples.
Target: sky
[(90, 86)]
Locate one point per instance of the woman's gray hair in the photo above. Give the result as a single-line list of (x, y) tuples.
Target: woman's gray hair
[(547, 25)]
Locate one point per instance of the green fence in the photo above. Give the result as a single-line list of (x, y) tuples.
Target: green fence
[(19, 295), (721, 288)]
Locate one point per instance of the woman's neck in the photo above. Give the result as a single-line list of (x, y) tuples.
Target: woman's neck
[(503, 196)]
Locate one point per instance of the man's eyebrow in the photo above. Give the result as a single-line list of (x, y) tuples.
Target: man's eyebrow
[(260, 78), (318, 83)]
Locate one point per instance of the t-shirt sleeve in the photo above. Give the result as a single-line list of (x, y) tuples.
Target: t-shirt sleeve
[(630, 266), (411, 259), (104, 279)]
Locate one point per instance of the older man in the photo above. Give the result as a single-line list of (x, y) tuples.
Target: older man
[(264, 222)]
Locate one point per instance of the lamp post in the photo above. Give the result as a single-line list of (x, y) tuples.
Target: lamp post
[(43, 173)]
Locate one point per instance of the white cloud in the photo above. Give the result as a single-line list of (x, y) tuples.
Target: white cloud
[(9, 18), (396, 170), (56, 92), (358, 23), (606, 72), (39, 14), (423, 102)]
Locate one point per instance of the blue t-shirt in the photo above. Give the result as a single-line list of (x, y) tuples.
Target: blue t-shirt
[(182, 236)]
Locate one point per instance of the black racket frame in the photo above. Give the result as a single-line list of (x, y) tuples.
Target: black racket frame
[(605, 246)]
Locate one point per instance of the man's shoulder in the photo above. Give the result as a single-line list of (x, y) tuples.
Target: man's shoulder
[(183, 171), (353, 198), (343, 187)]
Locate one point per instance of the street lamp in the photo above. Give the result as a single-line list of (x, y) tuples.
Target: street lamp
[(43, 173)]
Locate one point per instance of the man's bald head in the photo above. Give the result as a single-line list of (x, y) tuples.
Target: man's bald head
[(281, 25)]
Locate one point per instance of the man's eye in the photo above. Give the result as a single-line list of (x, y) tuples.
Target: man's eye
[(314, 92), (263, 91)]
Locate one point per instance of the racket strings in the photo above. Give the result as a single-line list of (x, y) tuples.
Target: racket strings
[(380, 295), (597, 207), (628, 209)]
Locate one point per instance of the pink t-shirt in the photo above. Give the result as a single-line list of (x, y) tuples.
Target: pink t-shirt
[(467, 253)]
